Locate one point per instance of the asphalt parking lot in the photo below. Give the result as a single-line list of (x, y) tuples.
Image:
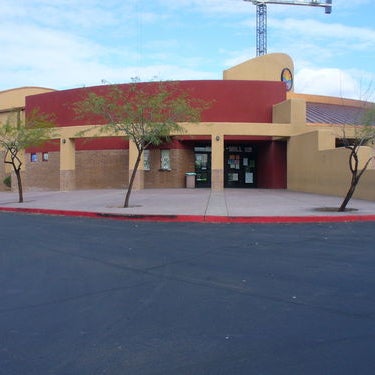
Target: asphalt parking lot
[(95, 296)]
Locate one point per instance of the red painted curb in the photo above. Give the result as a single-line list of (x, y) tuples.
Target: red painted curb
[(195, 218)]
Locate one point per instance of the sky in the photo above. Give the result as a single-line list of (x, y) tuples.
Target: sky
[(63, 44)]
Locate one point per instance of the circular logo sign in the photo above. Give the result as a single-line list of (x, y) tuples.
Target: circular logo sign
[(287, 77)]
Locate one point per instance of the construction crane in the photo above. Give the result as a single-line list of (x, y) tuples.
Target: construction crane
[(261, 24)]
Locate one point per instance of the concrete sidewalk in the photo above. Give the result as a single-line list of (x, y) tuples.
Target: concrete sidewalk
[(241, 205)]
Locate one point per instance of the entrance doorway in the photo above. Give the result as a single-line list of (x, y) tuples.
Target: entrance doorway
[(202, 166), (239, 166)]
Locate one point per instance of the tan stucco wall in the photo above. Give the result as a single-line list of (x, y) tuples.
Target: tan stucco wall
[(263, 68), (316, 166), (290, 111), (15, 98), (366, 186)]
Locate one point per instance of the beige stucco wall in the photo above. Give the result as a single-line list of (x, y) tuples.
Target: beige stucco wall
[(316, 166), (263, 68), (15, 98), (291, 111), (366, 187)]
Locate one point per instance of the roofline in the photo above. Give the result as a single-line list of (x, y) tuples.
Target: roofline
[(26, 87), (330, 100)]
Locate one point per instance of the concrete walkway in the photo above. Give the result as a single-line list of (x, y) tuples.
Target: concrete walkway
[(241, 205)]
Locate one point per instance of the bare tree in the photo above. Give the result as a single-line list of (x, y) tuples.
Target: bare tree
[(17, 135), (145, 113), (363, 136)]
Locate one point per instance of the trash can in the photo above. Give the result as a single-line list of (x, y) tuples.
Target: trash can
[(190, 180)]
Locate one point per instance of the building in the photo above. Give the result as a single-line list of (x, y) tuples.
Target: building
[(257, 133)]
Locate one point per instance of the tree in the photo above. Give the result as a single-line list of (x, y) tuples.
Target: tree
[(17, 135), (145, 113), (363, 136)]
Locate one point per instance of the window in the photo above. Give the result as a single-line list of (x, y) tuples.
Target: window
[(45, 156), (165, 160), (33, 157), (146, 160)]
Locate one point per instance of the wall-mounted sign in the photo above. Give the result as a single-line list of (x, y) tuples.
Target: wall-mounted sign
[(287, 77)]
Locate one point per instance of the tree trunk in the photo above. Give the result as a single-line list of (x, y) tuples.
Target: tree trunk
[(348, 196), (132, 178), (355, 180), (353, 165), (19, 182)]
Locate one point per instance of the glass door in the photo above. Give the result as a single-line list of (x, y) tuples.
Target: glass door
[(240, 167), (203, 169)]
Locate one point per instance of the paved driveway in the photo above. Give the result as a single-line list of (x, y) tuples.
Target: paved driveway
[(88, 296)]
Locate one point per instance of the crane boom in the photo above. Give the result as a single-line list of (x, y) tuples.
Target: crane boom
[(261, 18), (310, 3)]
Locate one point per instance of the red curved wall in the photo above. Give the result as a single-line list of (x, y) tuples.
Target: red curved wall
[(232, 101)]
